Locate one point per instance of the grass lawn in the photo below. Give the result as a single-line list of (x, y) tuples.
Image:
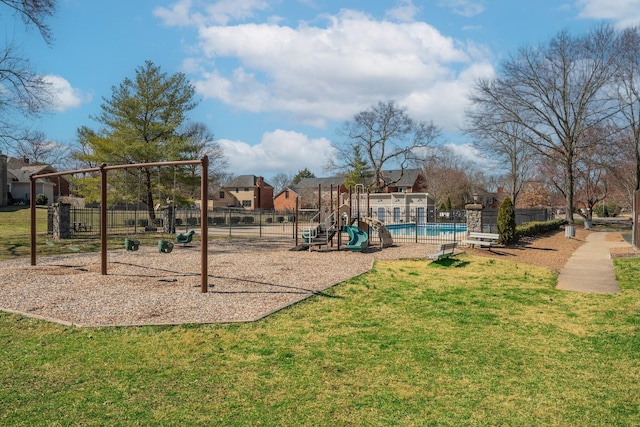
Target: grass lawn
[(468, 342), (471, 341), (15, 236)]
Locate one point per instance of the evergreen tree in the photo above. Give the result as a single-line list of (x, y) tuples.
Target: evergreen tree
[(144, 121), (358, 169), (507, 222), (302, 174)]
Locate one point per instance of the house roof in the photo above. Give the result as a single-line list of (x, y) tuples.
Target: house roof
[(244, 181), (401, 178), (23, 173), (404, 178), (324, 182)]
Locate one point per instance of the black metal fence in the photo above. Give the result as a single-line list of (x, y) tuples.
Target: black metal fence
[(420, 225), (406, 225)]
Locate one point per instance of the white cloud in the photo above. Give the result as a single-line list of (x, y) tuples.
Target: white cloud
[(220, 12), (178, 15), (623, 12), (406, 12), (278, 151), (64, 96), (467, 8), (318, 73)]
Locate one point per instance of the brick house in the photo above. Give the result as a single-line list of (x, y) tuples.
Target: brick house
[(250, 192)]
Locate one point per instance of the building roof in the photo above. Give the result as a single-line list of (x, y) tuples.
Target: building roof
[(324, 182), (404, 178), (244, 181), (401, 178), (21, 172)]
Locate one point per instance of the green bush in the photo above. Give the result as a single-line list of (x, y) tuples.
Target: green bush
[(507, 222), (41, 199), (234, 220), (535, 228), (606, 211)]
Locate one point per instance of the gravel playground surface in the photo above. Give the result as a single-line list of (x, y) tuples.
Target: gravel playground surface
[(248, 279)]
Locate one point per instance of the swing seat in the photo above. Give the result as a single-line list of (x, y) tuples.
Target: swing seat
[(185, 238), (165, 246), (131, 244)]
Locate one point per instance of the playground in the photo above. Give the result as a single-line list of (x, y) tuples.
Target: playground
[(247, 279)]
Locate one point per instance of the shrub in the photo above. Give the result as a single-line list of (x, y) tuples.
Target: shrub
[(234, 220), (507, 222), (608, 210), (41, 199), (537, 227), (247, 220)]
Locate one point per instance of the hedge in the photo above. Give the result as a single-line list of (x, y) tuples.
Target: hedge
[(534, 228)]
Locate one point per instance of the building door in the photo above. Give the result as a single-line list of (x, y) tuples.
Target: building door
[(420, 216), (381, 214)]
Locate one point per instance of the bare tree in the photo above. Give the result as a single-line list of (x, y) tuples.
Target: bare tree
[(503, 142), (450, 177), (201, 142), (628, 93), (592, 177), (554, 92), (281, 181), (38, 149), (24, 92), (386, 135)]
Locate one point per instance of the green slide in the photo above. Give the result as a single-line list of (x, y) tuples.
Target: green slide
[(358, 238)]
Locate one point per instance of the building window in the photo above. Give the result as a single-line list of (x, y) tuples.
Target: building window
[(396, 215), (246, 189), (286, 194), (237, 190), (222, 194), (246, 203)]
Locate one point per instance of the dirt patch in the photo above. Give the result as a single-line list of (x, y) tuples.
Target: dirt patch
[(551, 250)]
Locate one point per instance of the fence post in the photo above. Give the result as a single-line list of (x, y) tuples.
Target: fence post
[(61, 220), (474, 217)]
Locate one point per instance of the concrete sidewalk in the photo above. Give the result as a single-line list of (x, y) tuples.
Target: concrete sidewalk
[(590, 268)]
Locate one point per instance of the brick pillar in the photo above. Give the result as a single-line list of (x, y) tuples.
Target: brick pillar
[(474, 217), (61, 221)]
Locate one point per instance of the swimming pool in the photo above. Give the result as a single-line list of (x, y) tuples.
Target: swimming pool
[(426, 230)]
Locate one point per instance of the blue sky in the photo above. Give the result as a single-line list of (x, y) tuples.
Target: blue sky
[(276, 78)]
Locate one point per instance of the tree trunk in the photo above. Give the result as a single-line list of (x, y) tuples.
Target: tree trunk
[(151, 211), (569, 186)]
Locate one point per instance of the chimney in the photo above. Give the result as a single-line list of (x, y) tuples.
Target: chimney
[(4, 198), (260, 181)]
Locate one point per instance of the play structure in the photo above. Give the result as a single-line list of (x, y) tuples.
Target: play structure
[(338, 220), (164, 245)]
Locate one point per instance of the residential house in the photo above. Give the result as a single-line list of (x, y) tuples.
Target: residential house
[(307, 192), (250, 192), (401, 181), (15, 181), (285, 201)]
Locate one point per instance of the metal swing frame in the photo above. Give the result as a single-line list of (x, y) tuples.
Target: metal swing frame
[(103, 169)]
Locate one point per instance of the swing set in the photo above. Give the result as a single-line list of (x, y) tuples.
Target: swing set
[(133, 244)]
